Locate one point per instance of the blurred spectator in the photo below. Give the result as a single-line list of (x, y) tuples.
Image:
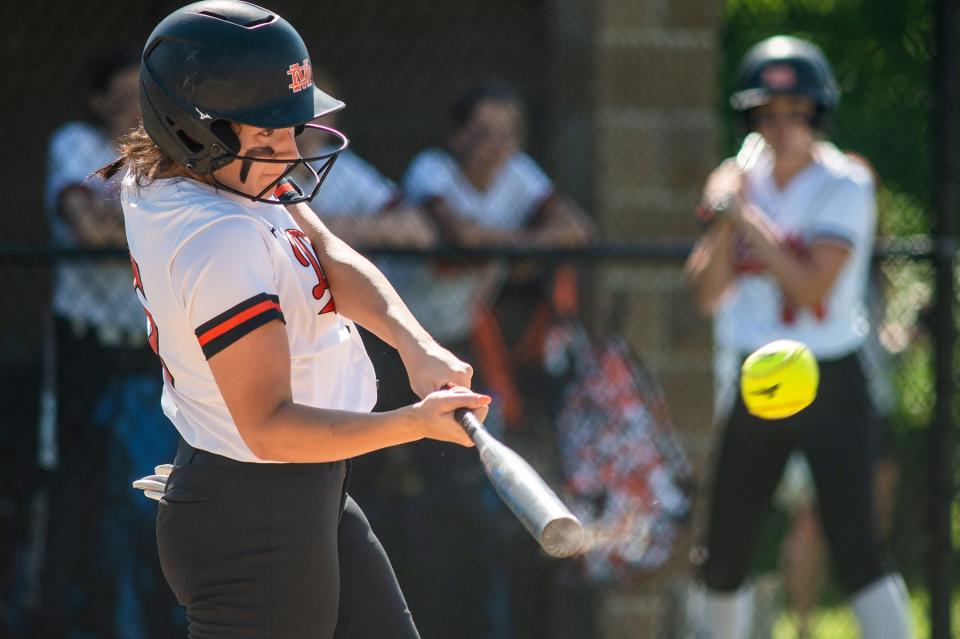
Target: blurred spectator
[(101, 566), (786, 255), (481, 191)]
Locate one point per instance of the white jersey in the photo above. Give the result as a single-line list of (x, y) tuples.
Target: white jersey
[(210, 267), (513, 196), (446, 301), (97, 293), (830, 200)]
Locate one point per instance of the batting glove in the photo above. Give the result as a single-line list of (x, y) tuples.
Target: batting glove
[(153, 486)]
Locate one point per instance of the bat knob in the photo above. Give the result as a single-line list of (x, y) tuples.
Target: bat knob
[(563, 537)]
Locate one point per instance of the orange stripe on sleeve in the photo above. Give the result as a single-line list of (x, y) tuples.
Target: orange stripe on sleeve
[(236, 320)]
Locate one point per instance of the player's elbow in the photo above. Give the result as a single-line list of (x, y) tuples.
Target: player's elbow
[(707, 296), (706, 305), (259, 442), (264, 436)]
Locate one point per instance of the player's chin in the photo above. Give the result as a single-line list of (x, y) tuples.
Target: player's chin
[(268, 180)]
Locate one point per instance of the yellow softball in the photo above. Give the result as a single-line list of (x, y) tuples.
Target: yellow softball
[(779, 379)]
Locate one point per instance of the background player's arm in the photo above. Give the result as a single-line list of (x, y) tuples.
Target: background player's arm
[(804, 278), (363, 294), (94, 221), (400, 226), (253, 376), (558, 222), (710, 266)]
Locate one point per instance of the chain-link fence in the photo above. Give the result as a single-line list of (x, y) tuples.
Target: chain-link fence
[(526, 174)]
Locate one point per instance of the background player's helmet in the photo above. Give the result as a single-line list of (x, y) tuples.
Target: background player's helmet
[(784, 65), (220, 61)]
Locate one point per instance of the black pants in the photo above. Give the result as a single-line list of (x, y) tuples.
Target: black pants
[(838, 436), (274, 551)]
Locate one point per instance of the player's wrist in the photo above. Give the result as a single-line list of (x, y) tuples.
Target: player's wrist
[(725, 206), (413, 343), (400, 425)]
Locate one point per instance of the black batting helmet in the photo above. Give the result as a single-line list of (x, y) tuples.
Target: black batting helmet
[(217, 62), (784, 65)]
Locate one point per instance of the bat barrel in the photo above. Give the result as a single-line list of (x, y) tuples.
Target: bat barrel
[(538, 508), (562, 537)]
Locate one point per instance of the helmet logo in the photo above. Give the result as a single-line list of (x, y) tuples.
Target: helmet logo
[(301, 76), (203, 116), (779, 77)]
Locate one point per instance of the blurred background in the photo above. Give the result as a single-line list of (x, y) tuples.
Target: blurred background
[(623, 109)]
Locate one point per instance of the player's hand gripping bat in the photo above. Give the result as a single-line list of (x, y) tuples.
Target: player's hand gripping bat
[(538, 508), (750, 151)]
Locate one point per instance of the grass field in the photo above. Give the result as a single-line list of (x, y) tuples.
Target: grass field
[(838, 622)]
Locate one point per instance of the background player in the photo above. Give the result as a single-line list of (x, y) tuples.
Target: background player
[(265, 378), (788, 254)]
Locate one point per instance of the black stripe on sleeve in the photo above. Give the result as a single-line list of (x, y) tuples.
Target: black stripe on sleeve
[(239, 308), (220, 342)]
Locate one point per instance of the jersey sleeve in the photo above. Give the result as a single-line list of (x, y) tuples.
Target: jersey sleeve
[(427, 177), (848, 215), (224, 278)]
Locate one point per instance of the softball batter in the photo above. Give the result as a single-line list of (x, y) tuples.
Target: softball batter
[(265, 378)]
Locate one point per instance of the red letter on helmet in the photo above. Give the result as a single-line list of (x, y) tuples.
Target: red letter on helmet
[(778, 77), (301, 76)]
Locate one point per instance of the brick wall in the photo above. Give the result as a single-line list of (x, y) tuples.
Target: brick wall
[(646, 121)]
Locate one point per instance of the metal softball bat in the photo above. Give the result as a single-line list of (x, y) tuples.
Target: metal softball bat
[(538, 508)]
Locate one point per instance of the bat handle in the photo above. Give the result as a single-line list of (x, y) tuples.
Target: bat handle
[(468, 421)]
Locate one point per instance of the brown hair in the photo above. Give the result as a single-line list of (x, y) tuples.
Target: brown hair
[(141, 154)]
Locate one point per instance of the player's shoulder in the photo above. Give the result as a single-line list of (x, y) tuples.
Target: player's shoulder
[(223, 221), (522, 161), (223, 229), (849, 171), (525, 166), (188, 210), (433, 159), (355, 166), (76, 132)]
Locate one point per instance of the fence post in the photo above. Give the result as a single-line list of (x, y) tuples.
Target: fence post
[(947, 105)]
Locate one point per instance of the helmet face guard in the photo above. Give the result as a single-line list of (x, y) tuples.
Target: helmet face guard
[(301, 179)]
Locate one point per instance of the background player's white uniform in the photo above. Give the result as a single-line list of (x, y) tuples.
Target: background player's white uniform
[(211, 267), (832, 200)]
